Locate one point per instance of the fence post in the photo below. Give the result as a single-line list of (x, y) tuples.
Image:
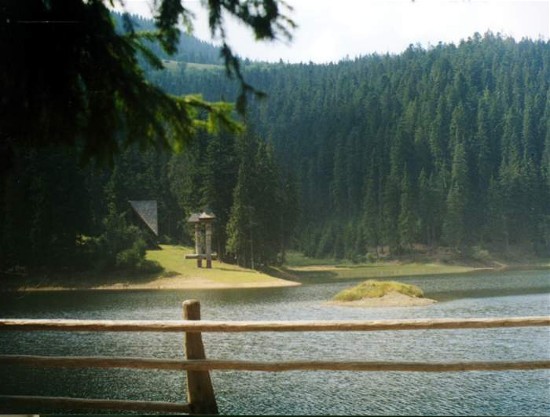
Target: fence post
[(200, 394)]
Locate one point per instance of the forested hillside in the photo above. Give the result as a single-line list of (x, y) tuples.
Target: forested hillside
[(190, 49), (445, 147)]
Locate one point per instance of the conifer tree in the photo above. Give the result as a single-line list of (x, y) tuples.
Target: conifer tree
[(371, 219), (241, 228), (391, 215), (454, 229), (290, 213), (407, 217), (255, 223), (218, 182)]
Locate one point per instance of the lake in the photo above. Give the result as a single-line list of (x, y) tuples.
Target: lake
[(514, 293)]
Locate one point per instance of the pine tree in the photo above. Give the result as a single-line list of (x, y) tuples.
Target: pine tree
[(390, 235), (484, 162), (454, 229), (218, 182), (371, 220), (255, 222), (242, 223), (338, 184), (290, 213), (268, 203), (407, 217)]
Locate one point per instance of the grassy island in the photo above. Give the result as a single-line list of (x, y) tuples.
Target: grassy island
[(373, 293), (377, 289)]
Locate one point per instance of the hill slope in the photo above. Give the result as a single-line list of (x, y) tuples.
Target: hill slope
[(448, 146)]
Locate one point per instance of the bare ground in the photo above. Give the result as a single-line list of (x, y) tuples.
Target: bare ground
[(177, 282)]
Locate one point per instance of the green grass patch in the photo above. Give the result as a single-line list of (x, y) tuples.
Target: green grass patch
[(377, 289), (204, 67), (310, 272), (173, 66), (297, 259), (298, 263), (172, 259), (379, 270)]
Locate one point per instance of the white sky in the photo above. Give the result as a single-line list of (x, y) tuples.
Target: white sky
[(329, 30)]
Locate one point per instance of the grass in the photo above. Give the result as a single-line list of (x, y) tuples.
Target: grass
[(296, 259), (397, 270), (298, 268), (377, 289), (202, 67), (171, 65), (172, 259), (174, 267), (301, 266)]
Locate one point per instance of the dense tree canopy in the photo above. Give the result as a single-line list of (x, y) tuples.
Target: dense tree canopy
[(67, 75), (441, 146), (74, 90)]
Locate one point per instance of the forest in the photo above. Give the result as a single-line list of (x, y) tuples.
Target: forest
[(382, 155)]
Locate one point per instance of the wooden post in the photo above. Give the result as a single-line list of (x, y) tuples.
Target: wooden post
[(206, 218), (208, 235), (200, 394), (198, 244)]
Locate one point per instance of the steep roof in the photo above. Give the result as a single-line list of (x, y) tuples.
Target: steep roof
[(147, 211)]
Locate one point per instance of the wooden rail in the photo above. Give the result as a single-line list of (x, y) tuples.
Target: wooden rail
[(279, 366), (93, 404), (200, 394), (190, 326)]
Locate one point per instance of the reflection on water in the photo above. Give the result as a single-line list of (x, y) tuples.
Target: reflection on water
[(393, 393)]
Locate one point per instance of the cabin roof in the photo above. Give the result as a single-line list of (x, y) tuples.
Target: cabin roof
[(147, 211)]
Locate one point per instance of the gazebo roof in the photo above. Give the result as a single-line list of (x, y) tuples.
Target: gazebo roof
[(204, 216), (193, 218)]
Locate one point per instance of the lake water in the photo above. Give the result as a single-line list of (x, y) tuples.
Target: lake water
[(332, 393)]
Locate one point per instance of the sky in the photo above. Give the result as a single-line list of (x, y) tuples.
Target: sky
[(331, 30)]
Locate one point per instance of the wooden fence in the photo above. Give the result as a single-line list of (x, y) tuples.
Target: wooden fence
[(200, 394)]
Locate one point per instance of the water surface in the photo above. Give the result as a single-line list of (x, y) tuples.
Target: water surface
[(393, 393)]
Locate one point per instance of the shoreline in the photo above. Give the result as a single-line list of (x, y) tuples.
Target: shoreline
[(174, 283), (278, 278)]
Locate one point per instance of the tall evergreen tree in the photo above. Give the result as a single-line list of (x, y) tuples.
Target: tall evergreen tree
[(407, 213), (256, 219), (454, 227)]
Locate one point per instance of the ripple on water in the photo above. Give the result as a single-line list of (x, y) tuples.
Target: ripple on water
[(334, 393)]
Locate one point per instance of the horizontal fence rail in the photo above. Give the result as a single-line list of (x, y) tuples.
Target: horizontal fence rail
[(92, 404), (202, 326), (200, 395), (279, 366)]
